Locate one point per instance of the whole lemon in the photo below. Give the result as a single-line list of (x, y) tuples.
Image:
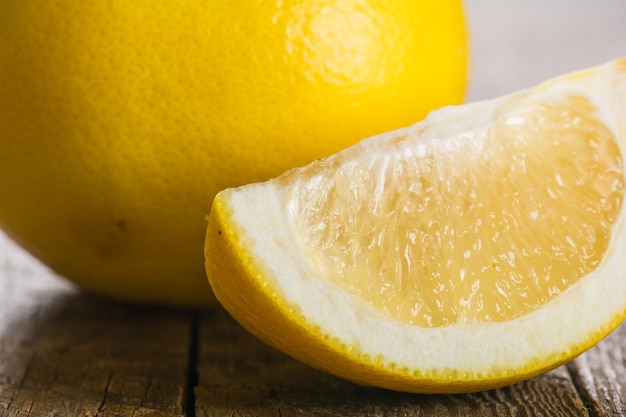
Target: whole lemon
[(121, 119)]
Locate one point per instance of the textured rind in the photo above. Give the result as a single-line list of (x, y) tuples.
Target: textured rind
[(248, 290), (120, 120)]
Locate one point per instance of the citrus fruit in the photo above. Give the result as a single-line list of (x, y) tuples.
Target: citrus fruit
[(121, 119), (474, 249)]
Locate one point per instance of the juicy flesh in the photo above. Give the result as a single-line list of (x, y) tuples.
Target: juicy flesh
[(481, 227)]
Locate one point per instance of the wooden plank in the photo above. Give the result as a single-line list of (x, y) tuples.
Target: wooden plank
[(240, 376), (67, 353), (600, 375)]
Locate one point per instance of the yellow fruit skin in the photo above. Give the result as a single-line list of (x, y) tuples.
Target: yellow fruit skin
[(270, 317), (120, 120)]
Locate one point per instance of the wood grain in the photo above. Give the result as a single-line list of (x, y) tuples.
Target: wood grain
[(600, 375), (240, 376), (67, 353)]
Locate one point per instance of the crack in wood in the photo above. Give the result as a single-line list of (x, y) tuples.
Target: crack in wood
[(577, 376), (22, 380), (191, 377), (105, 394)]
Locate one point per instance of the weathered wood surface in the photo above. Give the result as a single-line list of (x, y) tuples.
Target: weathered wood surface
[(65, 353), (241, 376)]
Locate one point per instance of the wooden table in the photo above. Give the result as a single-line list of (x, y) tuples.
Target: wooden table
[(65, 353)]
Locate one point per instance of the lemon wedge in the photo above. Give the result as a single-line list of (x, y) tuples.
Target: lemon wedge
[(477, 248)]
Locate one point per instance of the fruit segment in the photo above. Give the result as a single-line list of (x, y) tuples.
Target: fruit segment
[(481, 227)]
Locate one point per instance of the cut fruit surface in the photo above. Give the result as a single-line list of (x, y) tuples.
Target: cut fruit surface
[(472, 250)]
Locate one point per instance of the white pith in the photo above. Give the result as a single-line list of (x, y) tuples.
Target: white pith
[(262, 211)]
